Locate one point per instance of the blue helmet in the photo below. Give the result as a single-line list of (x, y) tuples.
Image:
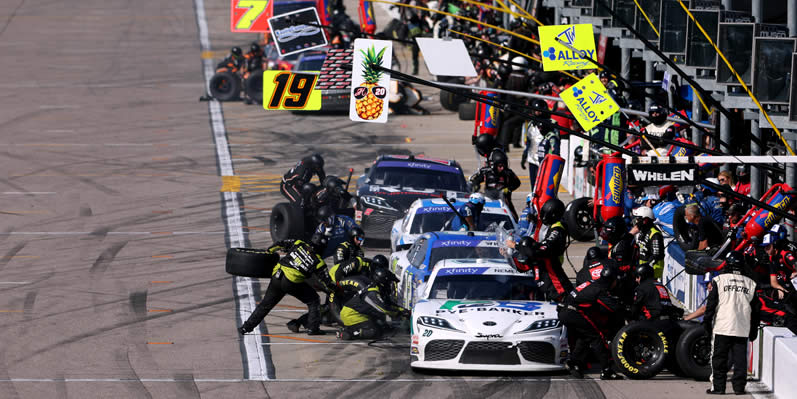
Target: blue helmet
[(779, 232), (529, 198)]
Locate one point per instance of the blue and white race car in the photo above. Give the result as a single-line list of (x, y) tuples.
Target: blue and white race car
[(427, 215), (415, 265), (474, 314)]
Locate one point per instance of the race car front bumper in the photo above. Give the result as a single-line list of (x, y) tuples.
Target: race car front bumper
[(537, 352)]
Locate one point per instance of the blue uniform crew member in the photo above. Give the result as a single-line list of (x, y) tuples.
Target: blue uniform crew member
[(471, 211)]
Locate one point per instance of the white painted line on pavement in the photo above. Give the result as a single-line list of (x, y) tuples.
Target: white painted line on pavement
[(59, 106), (14, 282), (29, 192), (256, 362), (341, 380)]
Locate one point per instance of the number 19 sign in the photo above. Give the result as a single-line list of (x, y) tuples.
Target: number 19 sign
[(249, 15), (283, 90)]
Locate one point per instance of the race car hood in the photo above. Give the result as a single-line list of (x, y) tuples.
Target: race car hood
[(487, 319), (401, 198)]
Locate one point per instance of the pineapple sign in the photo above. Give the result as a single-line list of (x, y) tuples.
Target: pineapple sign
[(369, 85)]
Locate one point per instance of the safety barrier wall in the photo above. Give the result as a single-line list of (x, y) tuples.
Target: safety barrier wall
[(777, 359)]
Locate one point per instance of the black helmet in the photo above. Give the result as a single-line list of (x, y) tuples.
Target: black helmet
[(379, 261), (605, 74), (236, 52), (614, 229), (317, 161), (742, 170), (254, 47), (383, 277), (356, 233), (537, 103), (661, 114), (319, 242), (325, 214), (644, 272), (734, 261), (485, 144), (498, 157), (609, 273), (594, 253), (309, 188), (552, 211), (331, 182)]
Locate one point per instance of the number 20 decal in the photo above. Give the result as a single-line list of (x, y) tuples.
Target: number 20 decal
[(292, 91)]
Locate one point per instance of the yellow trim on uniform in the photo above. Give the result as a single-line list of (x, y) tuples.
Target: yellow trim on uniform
[(351, 317)]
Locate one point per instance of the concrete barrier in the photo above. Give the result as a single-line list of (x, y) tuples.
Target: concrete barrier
[(785, 368), (774, 361)]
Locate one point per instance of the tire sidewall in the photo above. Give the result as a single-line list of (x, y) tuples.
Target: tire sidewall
[(621, 351)]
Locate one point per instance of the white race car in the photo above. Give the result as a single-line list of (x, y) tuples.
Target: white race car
[(474, 315), (425, 215)]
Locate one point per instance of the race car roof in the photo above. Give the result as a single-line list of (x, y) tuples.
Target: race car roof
[(452, 267), (438, 205)]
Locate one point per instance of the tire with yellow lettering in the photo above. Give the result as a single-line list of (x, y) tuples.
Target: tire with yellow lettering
[(640, 350), (250, 262)]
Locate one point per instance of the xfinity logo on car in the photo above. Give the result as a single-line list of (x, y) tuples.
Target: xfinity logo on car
[(419, 165)]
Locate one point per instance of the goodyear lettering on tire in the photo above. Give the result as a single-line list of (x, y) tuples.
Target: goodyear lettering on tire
[(620, 356)]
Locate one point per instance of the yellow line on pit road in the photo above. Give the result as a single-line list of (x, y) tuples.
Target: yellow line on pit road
[(230, 184)]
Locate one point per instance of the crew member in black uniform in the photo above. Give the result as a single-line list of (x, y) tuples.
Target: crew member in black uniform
[(651, 299), (332, 193), (621, 251), (649, 240), (301, 261), (544, 258), (499, 181), (364, 313), (594, 262), (293, 181), (351, 248), (590, 313)]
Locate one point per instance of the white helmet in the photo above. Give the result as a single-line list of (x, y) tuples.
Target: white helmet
[(643, 212), (529, 197), (477, 198), (519, 60)]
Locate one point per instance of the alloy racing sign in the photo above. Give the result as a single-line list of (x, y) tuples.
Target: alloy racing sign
[(558, 57), (589, 102), (661, 174)]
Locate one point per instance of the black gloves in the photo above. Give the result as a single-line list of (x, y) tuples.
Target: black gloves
[(523, 159)]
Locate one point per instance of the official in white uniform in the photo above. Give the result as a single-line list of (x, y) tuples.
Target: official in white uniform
[(732, 316)]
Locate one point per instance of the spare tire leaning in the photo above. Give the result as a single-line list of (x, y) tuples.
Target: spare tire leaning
[(578, 220), (640, 350), (254, 86), (467, 111), (693, 352), (250, 262), (225, 86), (286, 222)]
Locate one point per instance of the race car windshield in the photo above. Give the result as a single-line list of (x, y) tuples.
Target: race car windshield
[(418, 178), (481, 287), (439, 254), (426, 222)]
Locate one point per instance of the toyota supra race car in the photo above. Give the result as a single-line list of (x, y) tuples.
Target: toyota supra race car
[(474, 314)]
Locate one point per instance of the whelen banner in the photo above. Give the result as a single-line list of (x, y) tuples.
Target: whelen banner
[(661, 174)]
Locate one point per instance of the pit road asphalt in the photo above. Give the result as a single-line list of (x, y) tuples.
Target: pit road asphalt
[(114, 228)]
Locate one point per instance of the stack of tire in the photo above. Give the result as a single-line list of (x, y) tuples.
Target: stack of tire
[(643, 349), (227, 86)]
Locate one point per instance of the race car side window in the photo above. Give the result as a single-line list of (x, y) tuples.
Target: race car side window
[(418, 252)]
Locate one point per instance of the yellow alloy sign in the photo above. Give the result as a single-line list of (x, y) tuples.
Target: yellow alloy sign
[(558, 57), (589, 102)]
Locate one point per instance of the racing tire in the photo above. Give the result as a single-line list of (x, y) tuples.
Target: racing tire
[(250, 262), (640, 350), (467, 111), (700, 262), (578, 220), (254, 87), (225, 86), (693, 352), (286, 222)]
